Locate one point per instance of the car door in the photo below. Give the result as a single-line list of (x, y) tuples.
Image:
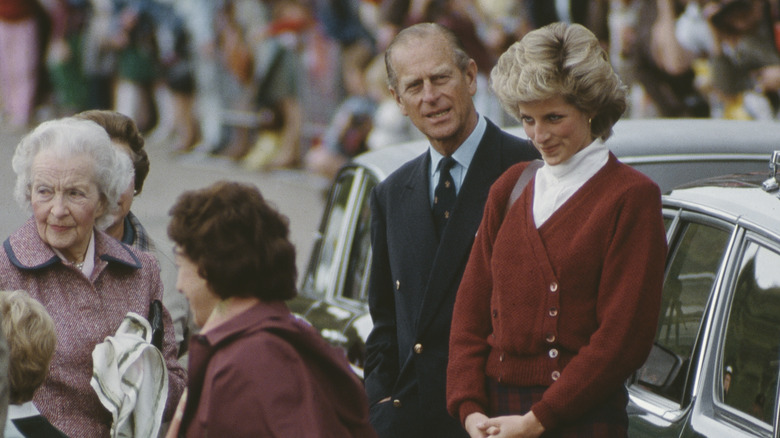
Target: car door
[(334, 288), (662, 391), (738, 393)]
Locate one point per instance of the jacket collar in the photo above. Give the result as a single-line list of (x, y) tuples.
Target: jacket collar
[(28, 251), (261, 316)]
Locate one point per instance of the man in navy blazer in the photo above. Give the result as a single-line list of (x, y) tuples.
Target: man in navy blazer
[(414, 273)]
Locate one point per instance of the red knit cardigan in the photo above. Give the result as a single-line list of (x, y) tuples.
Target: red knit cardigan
[(572, 305)]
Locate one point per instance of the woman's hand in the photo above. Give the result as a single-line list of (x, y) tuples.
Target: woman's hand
[(475, 425), (511, 426)]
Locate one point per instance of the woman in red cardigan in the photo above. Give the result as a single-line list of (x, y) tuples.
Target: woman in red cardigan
[(560, 298)]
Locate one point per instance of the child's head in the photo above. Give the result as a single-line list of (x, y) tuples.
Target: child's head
[(31, 337)]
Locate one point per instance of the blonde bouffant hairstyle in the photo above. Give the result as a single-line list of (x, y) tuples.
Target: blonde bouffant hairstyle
[(561, 60), (31, 337)]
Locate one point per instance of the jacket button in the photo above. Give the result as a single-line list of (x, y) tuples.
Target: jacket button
[(556, 375), (553, 353), (553, 287), (418, 348), (396, 403)]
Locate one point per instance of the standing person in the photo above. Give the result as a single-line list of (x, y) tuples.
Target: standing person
[(255, 369), (417, 264), (561, 295), (70, 178), (31, 340), (19, 51), (127, 228)]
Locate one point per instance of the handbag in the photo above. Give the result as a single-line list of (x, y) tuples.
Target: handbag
[(156, 322)]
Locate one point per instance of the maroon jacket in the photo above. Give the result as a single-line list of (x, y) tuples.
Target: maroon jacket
[(264, 373), (572, 305)]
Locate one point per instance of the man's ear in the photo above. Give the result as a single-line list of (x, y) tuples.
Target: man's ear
[(398, 101)]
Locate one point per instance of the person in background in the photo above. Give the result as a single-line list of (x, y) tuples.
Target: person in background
[(423, 217), (127, 228), (256, 370), (19, 51), (561, 295), (31, 338), (70, 177)]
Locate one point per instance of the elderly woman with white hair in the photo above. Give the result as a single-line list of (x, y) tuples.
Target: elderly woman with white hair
[(70, 178)]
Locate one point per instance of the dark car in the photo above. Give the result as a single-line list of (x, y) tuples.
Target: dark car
[(334, 286)]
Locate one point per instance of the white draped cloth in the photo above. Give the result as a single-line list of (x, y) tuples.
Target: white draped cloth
[(131, 380)]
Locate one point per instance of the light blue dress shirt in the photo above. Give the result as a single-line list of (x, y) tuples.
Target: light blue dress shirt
[(463, 156)]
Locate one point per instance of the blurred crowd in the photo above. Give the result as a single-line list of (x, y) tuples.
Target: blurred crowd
[(301, 83)]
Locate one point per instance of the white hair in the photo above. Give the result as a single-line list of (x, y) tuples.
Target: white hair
[(68, 137)]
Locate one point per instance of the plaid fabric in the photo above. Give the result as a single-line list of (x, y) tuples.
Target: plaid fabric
[(136, 235), (606, 421)]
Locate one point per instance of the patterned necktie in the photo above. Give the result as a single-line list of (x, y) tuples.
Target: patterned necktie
[(444, 195)]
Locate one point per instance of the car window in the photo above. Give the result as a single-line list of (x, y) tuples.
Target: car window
[(751, 350), (695, 257), (324, 262), (356, 279)]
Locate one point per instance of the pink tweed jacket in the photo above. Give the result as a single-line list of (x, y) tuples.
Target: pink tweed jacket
[(85, 311)]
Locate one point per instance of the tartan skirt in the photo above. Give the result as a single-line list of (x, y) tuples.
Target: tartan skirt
[(609, 420)]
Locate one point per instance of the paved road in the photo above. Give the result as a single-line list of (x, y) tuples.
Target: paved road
[(297, 194)]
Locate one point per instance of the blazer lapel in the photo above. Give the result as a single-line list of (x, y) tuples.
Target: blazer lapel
[(419, 230), (458, 237)]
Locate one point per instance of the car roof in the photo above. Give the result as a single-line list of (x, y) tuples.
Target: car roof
[(737, 198), (649, 140)]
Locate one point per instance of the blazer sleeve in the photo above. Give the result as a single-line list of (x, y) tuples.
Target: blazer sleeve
[(381, 368)]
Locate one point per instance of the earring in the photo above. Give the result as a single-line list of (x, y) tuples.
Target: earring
[(589, 120)]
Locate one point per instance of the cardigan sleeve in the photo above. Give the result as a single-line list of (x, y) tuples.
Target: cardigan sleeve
[(627, 308), (471, 321)]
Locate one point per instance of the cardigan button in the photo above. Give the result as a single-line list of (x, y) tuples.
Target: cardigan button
[(550, 338), (553, 311), (396, 403), (495, 313), (553, 353), (555, 375), (554, 287), (501, 357)]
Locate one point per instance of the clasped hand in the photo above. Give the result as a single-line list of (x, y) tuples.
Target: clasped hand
[(479, 425)]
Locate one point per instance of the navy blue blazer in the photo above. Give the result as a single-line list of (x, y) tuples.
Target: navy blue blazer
[(414, 279)]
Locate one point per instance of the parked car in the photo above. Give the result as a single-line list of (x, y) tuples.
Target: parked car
[(714, 368), (333, 290)]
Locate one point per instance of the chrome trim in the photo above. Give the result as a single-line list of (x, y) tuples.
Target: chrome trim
[(772, 184)]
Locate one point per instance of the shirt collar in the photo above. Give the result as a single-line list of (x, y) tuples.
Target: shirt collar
[(465, 152)]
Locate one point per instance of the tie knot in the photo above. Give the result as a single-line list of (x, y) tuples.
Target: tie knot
[(447, 163)]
